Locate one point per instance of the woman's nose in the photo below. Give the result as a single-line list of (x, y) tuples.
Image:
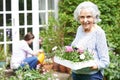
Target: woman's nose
[(85, 20)]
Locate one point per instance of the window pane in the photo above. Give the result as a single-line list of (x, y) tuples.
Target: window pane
[(21, 4), (9, 34), (8, 20), (50, 4), (8, 5), (29, 30), (51, 14), (21, 19), (41, 4), (9, 49), (1, 19), (22, 33), (1, 5), (42, 18), (1, 35), (2, 51), (29, 18), (29, 4)]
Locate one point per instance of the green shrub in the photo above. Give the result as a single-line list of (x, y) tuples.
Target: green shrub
[(110, 15), (113, 71), (53, 35)]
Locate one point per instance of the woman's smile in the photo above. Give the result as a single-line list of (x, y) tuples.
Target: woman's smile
[(86, 19)]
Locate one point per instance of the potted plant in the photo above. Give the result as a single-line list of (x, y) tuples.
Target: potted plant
[(69, 56)]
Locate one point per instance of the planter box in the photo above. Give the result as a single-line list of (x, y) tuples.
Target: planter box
[(74, 65)]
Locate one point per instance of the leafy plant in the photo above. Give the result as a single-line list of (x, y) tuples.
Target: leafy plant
[(113, 71), (27, 74), (52, 35), (73, 54), (2, 54)]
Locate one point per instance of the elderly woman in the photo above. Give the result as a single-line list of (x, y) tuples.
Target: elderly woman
[(92, 37), (23, 54)]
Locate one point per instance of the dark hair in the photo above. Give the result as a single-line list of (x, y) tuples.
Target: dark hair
[(28, 36)]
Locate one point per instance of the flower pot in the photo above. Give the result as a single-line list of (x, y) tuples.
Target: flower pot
[(68, 70), (55, 66), (48, 67), (62, 68)]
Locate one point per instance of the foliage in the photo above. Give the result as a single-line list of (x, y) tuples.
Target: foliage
[(2, 54), (113, 71), (53, 35), (27, 74), (73, 54), (109, 15)]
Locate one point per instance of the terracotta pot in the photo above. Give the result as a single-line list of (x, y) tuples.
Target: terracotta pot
[(48, 67), (55, 66), (68, 70), (62, 69)]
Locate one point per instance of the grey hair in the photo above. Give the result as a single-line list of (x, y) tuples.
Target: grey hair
[(89, 6)]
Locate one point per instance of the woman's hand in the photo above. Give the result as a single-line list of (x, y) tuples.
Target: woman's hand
[(36, 53), (95, 67)]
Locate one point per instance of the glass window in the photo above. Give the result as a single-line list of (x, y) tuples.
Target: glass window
[(9, 48), (29, 29), (9, 34), (29, 4), (51, 14), (42, 18), (50, 4), (8, 5), (21, 33), (1, 51), (21, 5), (1, 19), (1, 35), (21, 19), (8, 20), (42, 4), (1, 5), (29, 18)]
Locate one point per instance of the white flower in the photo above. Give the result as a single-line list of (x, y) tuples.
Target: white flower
[(54, 48), (55, 75), (82, 56)]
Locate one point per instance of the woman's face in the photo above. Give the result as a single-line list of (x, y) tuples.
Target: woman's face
[(30, 41), (86, 19)]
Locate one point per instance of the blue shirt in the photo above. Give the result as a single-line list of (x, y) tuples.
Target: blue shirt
[(94, 41)]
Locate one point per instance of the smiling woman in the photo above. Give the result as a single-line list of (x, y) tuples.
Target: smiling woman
[(87, 20), (91, 37)]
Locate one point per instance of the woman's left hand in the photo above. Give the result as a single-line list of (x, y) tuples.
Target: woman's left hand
[(95, 67)]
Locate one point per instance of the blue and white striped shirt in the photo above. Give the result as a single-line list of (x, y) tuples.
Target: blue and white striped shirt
[(96, 42)]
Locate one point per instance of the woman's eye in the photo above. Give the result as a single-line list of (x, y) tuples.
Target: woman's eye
[(82, 17), (89, 16)]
